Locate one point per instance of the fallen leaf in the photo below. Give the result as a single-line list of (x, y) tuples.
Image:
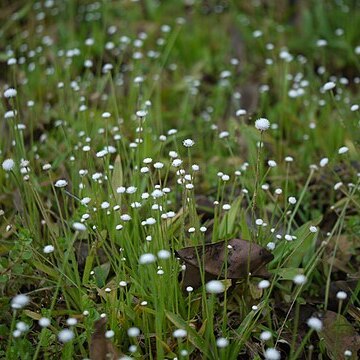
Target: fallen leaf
[(100, 347), (231, 259), (339, 335)]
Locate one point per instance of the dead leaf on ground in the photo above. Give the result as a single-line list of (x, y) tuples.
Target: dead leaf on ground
[(100, 347), (231, 259), (339, 335)]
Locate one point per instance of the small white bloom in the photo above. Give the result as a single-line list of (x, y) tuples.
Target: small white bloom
[(188, 142), (313, 229), (8, 164), (147, 258), (79, 226), (215, 287), (48, 249), (71, 321), (65, 335), (329, 86), (341, 295), (272, 354), (343, 150), (348, 353), (61, 183), (259, 222), (324, 162), (44, 322), (299, 279), (9, 93), (133, 332), (19, 301), (265, 336), (222, 342), (109, 334), (272, 163), (292, 200), (354, 107), (179, 333), (262, 124), (226, 207), (315, 323), (264, 284)]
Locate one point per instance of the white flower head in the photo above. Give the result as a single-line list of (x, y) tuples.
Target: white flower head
[(9, 93), (147, 258), (329, 86), (299, 279), (188, 143), (215, 287), (315, 323), (343, 150), (222, 342), (8, 164), (61, 183), (179, 333), (79, 226), (65, 335), (262, 124), (272, 354), (19, 301)]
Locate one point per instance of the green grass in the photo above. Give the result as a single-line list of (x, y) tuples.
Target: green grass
[(177, 75)]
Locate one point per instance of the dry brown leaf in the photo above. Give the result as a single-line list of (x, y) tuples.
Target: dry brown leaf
[(100, 347), (339, 336), (232, 259)]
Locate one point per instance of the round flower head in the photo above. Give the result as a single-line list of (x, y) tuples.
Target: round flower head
[(19, 301), (65, 335), (329, 86), (9, 93), (315, 324), (272, 354), (341, 295), (188, 142), (147, 258), (179, 333), (79, 226), (215, 287), (262, 124), (133, 332), (222, 342), (8, 164), (61, 183), (299, 279)]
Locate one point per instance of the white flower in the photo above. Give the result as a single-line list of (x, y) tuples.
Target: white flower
[(264, 284), (8, 164), (343, 150), (222, 342), (188, 142), (341, 295), (179, 333), (315, 323), (226, 207), (48, 249), (259, 222), (19, 301), (299, 279), (313, 229), (158, 165), (272, 354), (61, 183), (109, 334), (348, 353), (329, 86), (354, 107), (71, 321), (324, 162), (292, 200), (176, 162), (79, 226), (272, 163), (265, 336), (164, 254), (262, 124), (44, 322), (65, 335), (223, 134), (215, 287), (133, 332), (147, 258), (9, 93)]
